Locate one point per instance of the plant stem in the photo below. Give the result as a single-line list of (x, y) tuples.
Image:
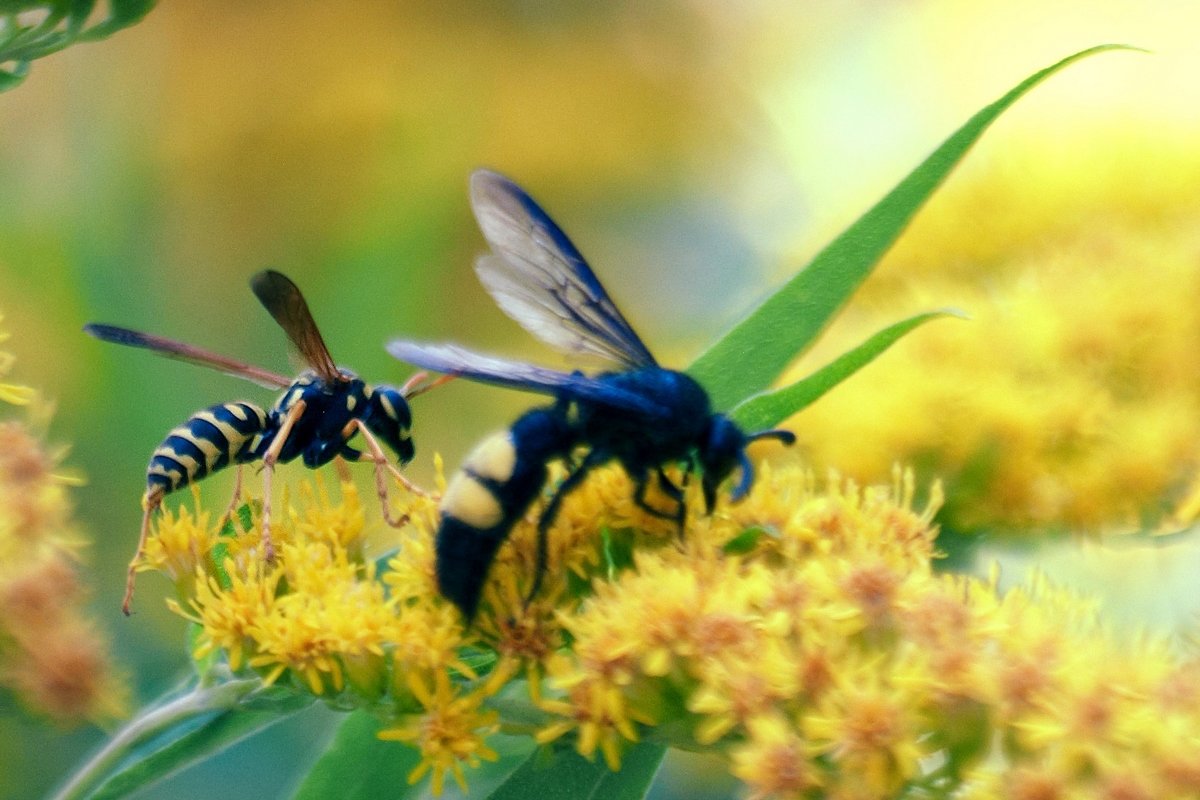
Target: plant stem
[(202, 699)]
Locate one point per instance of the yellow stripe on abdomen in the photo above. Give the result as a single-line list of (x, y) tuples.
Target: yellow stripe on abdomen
[(494, 458), (468, 500)]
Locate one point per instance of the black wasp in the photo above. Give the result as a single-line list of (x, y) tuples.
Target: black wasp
[(643, 416), (315, 418)]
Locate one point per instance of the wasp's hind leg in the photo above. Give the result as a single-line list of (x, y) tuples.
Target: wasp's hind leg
[(673, 492), (151, 502), (234, 500), (269, 460), (677, 494), (592, 460), (381, 463)]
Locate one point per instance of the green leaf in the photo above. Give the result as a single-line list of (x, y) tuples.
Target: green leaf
[(9, 78), (617, 551), (210, 738), (360, 766), (245, 515), (54, 26), (750, 356), (770, 408), (569, 776), (747, 540), (207, 663), (479, 659), (121, 14), (181, 728), (216, 558)]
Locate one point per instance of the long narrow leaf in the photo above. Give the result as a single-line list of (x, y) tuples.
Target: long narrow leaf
[(182, 727), (770, 408), (750, 356), (208, 739), (569, 776), (358, 765)]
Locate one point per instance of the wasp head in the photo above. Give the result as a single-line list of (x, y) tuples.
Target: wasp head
[(723, 449), (389, 418)]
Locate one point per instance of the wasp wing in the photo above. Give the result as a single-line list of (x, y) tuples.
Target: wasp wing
[(283, 300), (460, 362), (538, 278), (186, 352)]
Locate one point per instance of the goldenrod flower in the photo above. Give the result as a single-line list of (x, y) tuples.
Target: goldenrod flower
[(184, 540), (870, 726), (228, 613), (451, 731), (802, 634), (11, 393), (775, 762), (54, 659)]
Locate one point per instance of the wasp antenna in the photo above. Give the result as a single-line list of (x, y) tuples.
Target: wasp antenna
[(747, 479), (747, 468), (785, 436), (413, 386), (410, 386)]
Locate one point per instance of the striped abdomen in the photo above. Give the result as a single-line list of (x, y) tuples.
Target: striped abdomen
[(229, 433), (495, 487)]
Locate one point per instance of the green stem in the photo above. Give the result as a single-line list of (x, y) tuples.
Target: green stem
[(202, 699)]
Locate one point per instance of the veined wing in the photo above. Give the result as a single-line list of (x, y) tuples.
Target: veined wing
[(454, 360), (186, 352), (538, 278), (283, 300)]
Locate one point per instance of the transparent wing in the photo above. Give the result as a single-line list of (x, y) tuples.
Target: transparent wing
[(186, 352), (454, 360), (283, 300), (540, 280)]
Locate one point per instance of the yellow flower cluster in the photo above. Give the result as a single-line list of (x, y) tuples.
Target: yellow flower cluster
[(1070, 398), (324, 621), (805, 635), (51, 656), (802, 634)]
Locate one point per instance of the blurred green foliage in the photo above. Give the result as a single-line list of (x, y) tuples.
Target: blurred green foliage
[(31, 30)]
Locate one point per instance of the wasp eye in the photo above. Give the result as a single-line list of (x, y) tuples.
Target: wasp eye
[(389, 418)]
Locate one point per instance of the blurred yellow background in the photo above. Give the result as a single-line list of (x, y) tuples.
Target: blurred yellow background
[(697, 152)]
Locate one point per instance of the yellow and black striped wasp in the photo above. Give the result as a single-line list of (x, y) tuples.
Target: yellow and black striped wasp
[(315, 417)]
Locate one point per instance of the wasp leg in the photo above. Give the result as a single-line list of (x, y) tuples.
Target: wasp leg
[(399, 476), (668, 488), (343, 469), (269, 458), (592, 460), (151, 502), (233, 501), (381, 462), (378, 456), (687, 475)]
